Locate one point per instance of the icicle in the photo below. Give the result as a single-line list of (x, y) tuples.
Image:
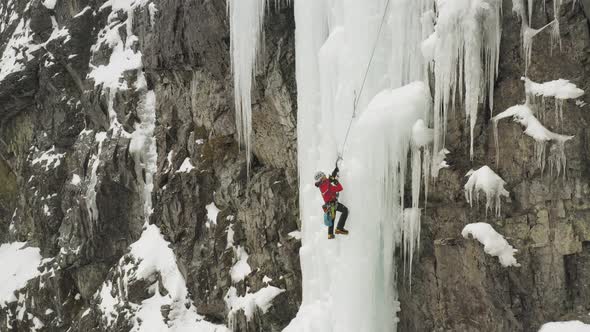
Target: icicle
[(411, 238), (246, 38), (555, 31), (557, 158)]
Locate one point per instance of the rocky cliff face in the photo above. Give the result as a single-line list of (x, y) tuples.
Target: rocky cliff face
[(456, 286), (73, 181)]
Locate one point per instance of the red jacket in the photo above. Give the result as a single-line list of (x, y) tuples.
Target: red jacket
[(329, 190)]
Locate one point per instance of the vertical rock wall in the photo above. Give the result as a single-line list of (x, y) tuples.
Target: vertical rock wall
[(58, 147), (455, 285)]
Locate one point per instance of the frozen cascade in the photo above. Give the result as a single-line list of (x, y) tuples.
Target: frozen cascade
[(393, 127), (333, 50)]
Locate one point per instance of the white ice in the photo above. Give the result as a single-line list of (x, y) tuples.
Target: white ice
[(334, 44), (493, 242)]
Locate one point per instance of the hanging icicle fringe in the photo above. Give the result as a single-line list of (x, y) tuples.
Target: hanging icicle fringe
[(246, 41)]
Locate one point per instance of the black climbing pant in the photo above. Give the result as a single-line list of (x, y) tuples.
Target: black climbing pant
[(343, 215)]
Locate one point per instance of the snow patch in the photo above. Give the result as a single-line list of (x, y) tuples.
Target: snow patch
[(18, 50), (295, 234), (241, 269), (76, 180), (250, 302), (19, 265), (154, 257), (186, 166), (212, 212), (493, 242), (49, 4), (568, 326), (49, 159)]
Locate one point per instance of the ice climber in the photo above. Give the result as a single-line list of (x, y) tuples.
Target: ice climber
[(330, 188)]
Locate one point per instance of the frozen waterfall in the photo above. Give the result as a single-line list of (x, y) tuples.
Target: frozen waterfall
[(397, 132)]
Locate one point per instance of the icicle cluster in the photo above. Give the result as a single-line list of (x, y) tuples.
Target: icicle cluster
[(561, 90), (536, 93), (523, 115), (528, 33), (465, 49), (487, 181)]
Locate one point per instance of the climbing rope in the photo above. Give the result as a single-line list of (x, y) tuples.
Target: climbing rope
[(356, 97)]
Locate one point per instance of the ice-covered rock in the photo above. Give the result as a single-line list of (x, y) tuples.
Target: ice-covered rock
[(485, 180)]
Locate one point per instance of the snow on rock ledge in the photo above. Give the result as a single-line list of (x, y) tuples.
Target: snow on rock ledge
[(487, 181), (250, 302), (569, 326), (493, 242), (19, 265), (150, 257), (560, 89), (523, 115)]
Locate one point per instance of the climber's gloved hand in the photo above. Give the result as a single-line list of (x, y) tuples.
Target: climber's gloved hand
[(335, 172), (334, 179)]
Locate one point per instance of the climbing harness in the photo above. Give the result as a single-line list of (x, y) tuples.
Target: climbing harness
[(329, 213), (356, 97)]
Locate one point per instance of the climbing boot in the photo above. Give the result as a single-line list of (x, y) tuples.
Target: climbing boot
[(341, 231), (330, 236)]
